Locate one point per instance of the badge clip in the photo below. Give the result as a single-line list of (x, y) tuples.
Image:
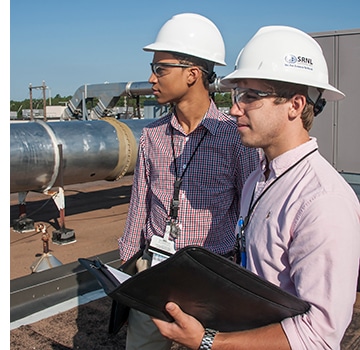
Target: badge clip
[(162, 247)]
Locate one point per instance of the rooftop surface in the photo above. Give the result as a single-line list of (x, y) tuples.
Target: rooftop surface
[(96, 212)]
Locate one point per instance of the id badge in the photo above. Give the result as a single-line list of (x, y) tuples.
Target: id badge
[(161, 247)]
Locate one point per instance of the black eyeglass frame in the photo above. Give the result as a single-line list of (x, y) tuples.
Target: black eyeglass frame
[(155, 66)]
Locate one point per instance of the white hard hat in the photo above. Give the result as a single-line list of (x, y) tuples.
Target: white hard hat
[(284, 54), (191, 34)]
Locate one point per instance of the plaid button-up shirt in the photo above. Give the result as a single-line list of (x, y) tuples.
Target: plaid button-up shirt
[(210, 190)]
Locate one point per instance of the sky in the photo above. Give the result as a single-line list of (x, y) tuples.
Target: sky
[(70, 43)]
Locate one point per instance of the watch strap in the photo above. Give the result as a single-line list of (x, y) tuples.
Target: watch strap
[(208, 339)]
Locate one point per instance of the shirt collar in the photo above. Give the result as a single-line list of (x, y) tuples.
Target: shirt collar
[(210, 120), (279, 164)]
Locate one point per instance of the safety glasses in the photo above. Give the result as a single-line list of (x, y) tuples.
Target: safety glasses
[(158, 68), (249, 95)]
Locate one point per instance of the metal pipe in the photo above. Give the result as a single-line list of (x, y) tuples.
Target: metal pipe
[(100, 149), (94, 150), (108, 94)]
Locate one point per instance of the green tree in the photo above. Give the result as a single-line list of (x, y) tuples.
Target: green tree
[(223, 99)]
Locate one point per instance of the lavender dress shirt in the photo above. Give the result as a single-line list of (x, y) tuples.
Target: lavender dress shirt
[(304, 236)]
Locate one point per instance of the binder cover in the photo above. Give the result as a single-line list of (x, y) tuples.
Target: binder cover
[(216, 291)]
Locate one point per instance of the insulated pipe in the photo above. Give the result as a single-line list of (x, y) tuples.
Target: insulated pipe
[(94, 150), (102, 149), (108, 94)]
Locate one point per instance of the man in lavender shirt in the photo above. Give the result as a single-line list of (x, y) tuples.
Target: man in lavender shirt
[(301, 220)]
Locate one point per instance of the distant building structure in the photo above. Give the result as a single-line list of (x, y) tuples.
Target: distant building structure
[(37, 113), (152, 109), (123, 112), (52, 113)]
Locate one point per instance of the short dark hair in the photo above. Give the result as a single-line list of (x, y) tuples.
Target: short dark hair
[(286, 91), (207, 66)]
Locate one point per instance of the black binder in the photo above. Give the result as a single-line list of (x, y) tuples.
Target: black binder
[(216, 291)]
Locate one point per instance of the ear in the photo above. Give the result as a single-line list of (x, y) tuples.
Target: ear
[(297, 105), (193, 75)]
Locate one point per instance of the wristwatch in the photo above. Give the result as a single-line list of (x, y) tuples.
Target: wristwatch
[(208, 338)]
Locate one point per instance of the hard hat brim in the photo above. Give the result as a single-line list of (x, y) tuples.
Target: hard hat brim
[(156, 47), (330, 92)]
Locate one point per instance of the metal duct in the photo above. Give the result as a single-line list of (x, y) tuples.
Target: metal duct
[(108, 94), (92, 150)]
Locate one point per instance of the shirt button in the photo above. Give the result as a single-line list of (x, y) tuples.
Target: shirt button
[(184, 166)]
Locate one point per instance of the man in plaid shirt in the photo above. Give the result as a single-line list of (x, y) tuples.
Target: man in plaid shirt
[(194, 151)]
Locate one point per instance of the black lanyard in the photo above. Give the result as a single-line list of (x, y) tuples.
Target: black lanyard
[(240, 246), (174, 207), (252, 206)]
